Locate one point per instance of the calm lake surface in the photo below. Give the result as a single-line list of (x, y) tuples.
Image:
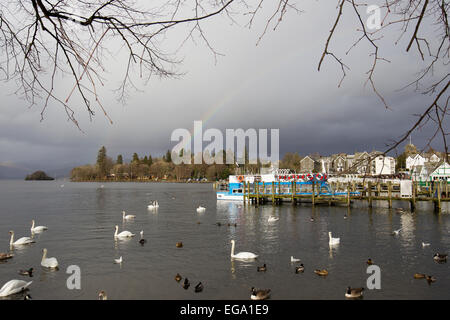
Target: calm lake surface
[(81, 218)]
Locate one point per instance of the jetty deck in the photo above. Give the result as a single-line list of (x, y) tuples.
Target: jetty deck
[(344, 193)]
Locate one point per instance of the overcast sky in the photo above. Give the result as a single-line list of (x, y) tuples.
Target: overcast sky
[(273, 85)]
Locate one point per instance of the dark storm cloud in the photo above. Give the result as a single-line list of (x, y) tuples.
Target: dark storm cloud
[(273, 85)]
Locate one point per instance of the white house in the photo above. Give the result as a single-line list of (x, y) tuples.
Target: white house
[(416, 160), (442, 172), (384, 165)]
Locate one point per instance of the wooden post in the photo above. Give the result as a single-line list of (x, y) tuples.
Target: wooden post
[(439, 196), (413, 198), (273, 192), (313, 193), (257, 192), (446, 188), (245, 191), (292, 192), (369, 187), (348, 194), (390, 194)]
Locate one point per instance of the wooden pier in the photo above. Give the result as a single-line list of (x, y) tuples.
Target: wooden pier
[(276, 193)]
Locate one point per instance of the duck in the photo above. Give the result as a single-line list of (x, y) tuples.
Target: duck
[(5, 256), (28, 272), (424, 244), (396, 232), (439, 257), (300, 268), (218, 224), (333, 241), (127, 216), (179, 244), (178, 277), (50, 263), (37, 229), (419, 276), (319, 272), (369, 262), (118, 260), (201, 209), (123, 234), (273, 219), (232, 224), (261, 294), (242, 255), (199, 287), (142, 240), (102, 295), (186, 283), (21, 241), (14, 286), (430, 279), (294, 259), (354, 292), (263, 268)]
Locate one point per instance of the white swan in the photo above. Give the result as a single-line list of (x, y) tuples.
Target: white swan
[(396, 232), (38, 228), (294, 259), (123, 234), (118, 260), (51, 263), (13, 286), (333, 241), (201, 209), (241, 255), (425, 244), (273, 219), (127, 216), (21, 241), (153, 205)]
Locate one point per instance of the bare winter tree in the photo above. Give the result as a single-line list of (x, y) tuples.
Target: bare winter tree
[(44, 39), (425, 24)]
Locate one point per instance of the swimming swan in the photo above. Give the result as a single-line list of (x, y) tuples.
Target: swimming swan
[(294, 259), (118, 260), (127, 217), (153, 205), (38, 228), (273, 219), (51, 263), (21, 241), (333, 241), (123, 234), (241, 255), (201, 209), (14, 286)]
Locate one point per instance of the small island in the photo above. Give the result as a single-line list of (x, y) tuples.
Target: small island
[(38, 175)]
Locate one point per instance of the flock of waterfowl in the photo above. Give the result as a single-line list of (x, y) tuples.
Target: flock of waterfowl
[(350, 293), (15, 286)]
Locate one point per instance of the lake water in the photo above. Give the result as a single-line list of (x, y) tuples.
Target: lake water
[(81, 219)]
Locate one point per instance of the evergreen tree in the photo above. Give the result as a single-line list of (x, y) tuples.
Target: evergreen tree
[(168, 156), (150, 160), (101, 161), (145, 161), (135, 158), (119, 159)]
